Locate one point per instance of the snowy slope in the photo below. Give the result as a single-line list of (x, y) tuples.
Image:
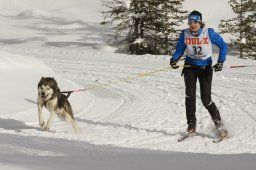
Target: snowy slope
[(84, 9), (21, 75), (20, 81), (147, 112), (213, 11), (126, 123)]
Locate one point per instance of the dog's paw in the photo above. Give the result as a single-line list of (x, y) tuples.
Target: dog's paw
[(42, 124), (46, 128), (78, 131)]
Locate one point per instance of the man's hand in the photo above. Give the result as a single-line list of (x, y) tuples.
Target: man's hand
[(218, 66), (173, 64)]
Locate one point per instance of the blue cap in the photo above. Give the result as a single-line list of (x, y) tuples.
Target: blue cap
[(194, 17)]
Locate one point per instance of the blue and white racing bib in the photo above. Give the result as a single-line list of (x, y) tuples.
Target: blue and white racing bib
[(198, 47)]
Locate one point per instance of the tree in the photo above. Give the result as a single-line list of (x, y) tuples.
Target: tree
[(151, 26), (250, 36), (162, 22), (242, 27)]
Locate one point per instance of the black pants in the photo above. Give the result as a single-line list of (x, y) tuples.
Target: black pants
[(204, 75)]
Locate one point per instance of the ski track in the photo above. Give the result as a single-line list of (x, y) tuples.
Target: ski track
[(149, 112), (237, 101)]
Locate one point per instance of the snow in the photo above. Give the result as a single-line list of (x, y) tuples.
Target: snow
[(139, 41), (126, 122), (34, 14), (127, 3), (243, 40)]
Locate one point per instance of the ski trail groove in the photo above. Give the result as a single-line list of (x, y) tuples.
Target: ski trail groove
[(149, 112)]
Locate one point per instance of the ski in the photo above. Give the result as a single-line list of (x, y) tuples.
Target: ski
[(217, 140), (187, 135), (222, 134)]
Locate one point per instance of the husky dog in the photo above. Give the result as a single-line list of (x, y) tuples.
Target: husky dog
[(56, 103)]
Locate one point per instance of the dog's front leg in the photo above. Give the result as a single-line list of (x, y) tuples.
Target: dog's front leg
[(40, 115), (49, 122)]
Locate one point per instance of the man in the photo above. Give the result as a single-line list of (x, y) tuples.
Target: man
[(198, 40)]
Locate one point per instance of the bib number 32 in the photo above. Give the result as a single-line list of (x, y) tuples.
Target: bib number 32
[(197, 50)]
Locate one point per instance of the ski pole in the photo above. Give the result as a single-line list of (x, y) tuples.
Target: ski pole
[(240, 66)]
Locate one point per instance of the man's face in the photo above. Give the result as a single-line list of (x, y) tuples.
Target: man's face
[(194, 25)]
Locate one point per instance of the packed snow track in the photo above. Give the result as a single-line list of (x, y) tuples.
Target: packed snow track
[(149, 112)]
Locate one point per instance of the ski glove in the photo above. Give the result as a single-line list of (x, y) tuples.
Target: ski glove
[(218, 66), (173, 64)]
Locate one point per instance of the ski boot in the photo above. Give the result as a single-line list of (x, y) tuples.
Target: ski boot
[(191, 131), (222, 131)]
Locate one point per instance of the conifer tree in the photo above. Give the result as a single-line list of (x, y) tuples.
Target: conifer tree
[(242, 27), (151, 26), (250, 36)]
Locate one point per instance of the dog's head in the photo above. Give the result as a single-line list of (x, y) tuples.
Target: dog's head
[(47, 88)]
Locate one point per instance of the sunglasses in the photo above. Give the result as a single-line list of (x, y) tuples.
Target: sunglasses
[(190, 22)]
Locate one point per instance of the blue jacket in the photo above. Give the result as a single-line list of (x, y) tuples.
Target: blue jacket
[(215, 38)]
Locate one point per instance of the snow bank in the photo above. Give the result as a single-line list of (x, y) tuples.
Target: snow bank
[(63, 27), (70, 9), (73, 13), (34, 14), (18, 5), (21, 75), (67, 13)]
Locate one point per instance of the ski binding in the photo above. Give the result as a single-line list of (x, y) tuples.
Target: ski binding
[(187, 135), (222, 133)]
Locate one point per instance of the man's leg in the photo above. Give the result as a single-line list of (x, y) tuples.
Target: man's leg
[(205, 80), (190, 79)]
